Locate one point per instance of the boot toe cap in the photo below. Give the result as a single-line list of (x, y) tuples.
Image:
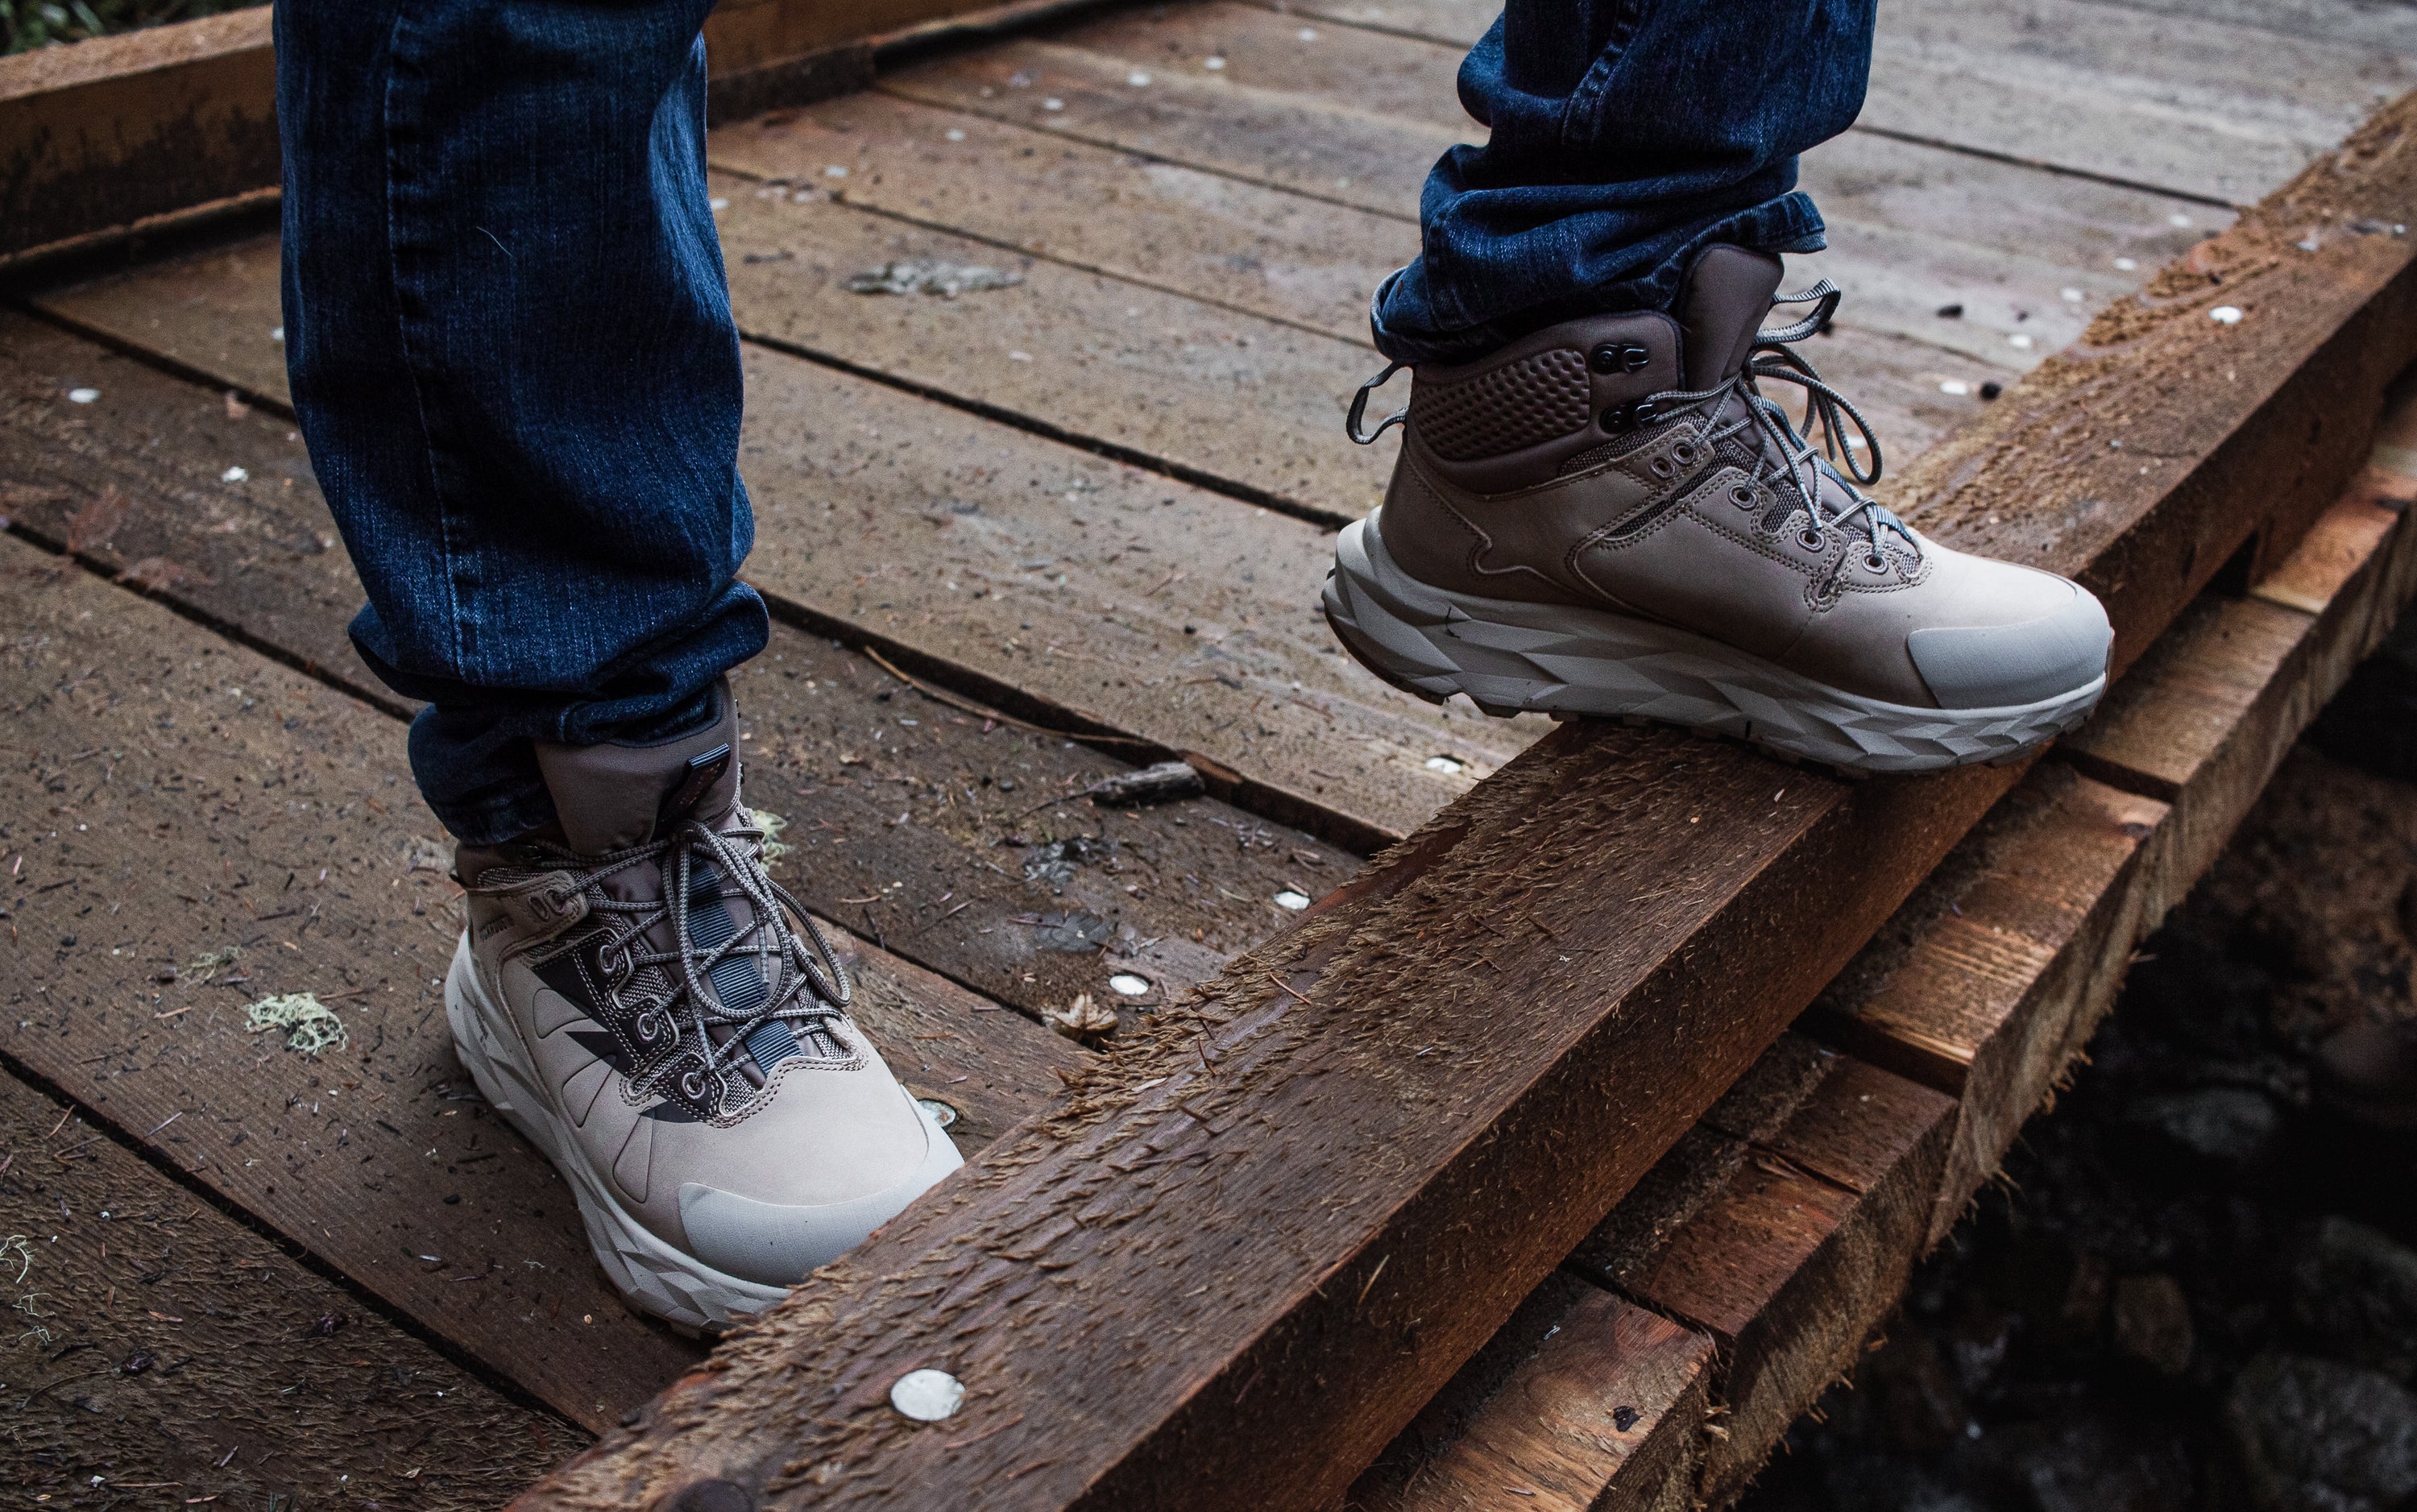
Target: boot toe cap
[(2020, 662), (776, 1244)]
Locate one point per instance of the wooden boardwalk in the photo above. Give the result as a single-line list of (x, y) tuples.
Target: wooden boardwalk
[(1017, 541)]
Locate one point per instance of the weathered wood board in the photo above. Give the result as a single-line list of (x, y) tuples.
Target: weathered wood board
[(170, 797), (165, 1353)]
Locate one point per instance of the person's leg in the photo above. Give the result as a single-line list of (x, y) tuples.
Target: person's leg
[(1626, 136), (512, 355)]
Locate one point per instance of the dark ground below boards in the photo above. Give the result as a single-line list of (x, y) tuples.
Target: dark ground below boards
[(2194, 1290)]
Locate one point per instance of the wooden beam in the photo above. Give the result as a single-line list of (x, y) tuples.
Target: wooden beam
[(1229, 1265), (107, 136), (1986, 985)]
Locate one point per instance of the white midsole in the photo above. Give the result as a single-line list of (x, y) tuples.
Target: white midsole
[(1510, 657), (655, 1277)]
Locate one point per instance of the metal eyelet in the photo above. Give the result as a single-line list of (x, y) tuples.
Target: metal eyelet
[(1741, 496), (649, 1024), (1813, 540), (691, 1085), (1876, 562), (1661, 467), (1685, 451)]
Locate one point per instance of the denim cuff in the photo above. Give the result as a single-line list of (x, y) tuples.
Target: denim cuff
[(1411, 335)]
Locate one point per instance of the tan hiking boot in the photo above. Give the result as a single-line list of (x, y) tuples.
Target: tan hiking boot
[(665, 1024), (1608, 518)]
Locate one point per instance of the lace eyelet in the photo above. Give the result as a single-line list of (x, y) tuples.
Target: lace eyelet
[(1661, 467), (647, 1025), (1684, 452), (1741, 496), (1876, 562), (1813, 540), (691, 1085)]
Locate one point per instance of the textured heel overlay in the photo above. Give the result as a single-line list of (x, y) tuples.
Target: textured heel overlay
[(1518, 404)]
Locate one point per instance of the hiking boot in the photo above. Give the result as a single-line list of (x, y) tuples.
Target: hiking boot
[(666, 1024), (1609, 518)]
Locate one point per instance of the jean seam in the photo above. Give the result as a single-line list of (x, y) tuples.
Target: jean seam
[(1579, 114), (413, 359)]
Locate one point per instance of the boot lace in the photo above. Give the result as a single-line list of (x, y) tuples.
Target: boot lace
[(1786, 457), (711, 989)]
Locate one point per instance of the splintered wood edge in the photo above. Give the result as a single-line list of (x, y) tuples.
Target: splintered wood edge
[(794, 1407)]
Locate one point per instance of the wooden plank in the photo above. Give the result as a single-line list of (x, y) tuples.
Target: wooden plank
[(1204, 233), (1241, 246), (163, 1350), (1994, 972), (117, 128), (107, 134), (168, 794), (829, 751), (1431, 1043), (2183, 102), (2383, 28), (2174, 102), (1584, 1402), (1001, 515), (1159, 378)]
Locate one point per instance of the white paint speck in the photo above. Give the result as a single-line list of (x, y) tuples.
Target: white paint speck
[(835, 170), (2071, 296), (2225, 314), (942, 1113), (1212, 63), (2019, 342), (927, 1395), (1129, 985), (1137, 79), (234, 475), (1292, 900), (1053, 103), (1445, 763), (277, 333), (2178, 219), (1307, 33), (82, 396), (1019, 356), (1956, 386), (717, 204), (2126, 265), (953, 134)]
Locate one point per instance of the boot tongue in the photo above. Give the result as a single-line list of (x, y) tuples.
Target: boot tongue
[(610, 797), (1726, 295)]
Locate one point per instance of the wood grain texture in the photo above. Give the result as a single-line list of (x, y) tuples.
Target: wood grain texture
[(160, 1348), (2326, 328), (915, 821), (1993, 976), (1803, 1254), (2181, 97), (1217, 239), (120, 128), (106, 133), (931, 532), (1603, 1411), (225, 801)]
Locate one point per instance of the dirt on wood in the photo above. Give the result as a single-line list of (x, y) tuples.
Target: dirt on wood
[(156, 1353)]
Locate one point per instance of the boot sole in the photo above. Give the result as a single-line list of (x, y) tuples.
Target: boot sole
[(650, 1274), (1514, 658)]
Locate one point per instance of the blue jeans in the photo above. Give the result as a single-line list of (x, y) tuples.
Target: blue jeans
[(514, 358), (1626, 136), (512, 355)]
